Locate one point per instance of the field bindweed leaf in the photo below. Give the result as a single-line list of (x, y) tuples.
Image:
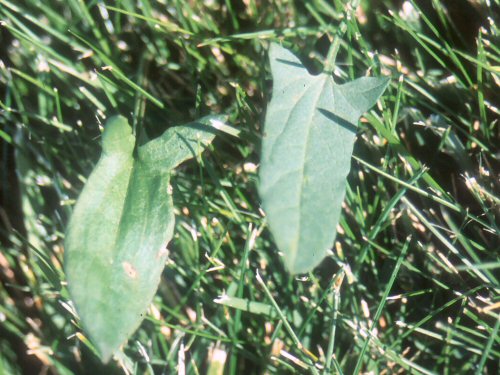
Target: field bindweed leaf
[(309, 134), (115, 245)]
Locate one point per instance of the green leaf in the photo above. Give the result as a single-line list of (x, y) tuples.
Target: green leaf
[(308, 139), (115, 245)]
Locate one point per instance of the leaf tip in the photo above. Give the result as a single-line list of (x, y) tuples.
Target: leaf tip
[(304, 261), (105, 354)]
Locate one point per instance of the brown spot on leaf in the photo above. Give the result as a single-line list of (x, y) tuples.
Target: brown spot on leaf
[(130, 270)]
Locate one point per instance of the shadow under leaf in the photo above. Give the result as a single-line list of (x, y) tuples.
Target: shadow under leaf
[(338, 120)]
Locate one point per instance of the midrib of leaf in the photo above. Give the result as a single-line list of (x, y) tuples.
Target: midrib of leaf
[(306, 148), (122, 209), (135, 165), (147, 206)]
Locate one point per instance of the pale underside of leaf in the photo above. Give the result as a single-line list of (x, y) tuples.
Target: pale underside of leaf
[(309, 134), (116, 240)]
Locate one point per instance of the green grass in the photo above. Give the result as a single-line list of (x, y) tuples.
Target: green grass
[(411, 284)]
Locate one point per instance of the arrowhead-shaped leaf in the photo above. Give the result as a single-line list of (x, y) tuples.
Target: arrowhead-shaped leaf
[(308, 139), (115, 245)]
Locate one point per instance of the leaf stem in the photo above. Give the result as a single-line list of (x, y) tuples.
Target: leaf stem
[(334, 47)]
